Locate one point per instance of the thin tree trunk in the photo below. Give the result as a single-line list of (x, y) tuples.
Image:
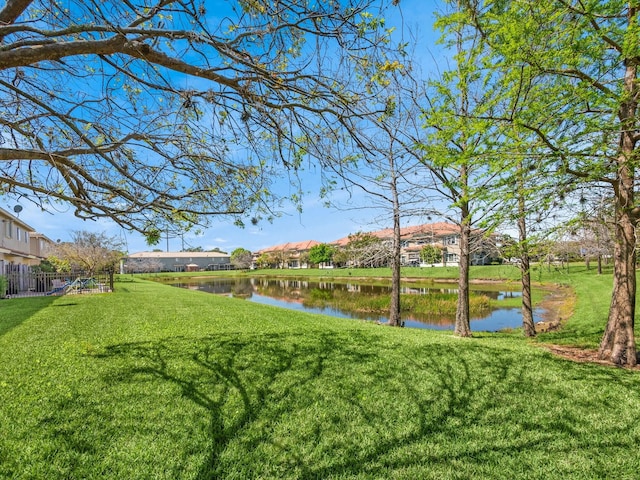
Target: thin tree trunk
[(394, 307), (463, 326), (528, 324)]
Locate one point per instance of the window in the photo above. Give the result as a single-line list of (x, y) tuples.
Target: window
[(452, 240), (8, 228), (18, 233)]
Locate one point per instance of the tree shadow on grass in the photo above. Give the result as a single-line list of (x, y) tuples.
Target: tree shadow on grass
[(239, 381), (14, 311), (349, 404)]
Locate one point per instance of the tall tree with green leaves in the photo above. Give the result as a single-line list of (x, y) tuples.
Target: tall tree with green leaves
[(458, 144), (524, 199), (431, 254), (579, 61), (321, 254), (241, 258)]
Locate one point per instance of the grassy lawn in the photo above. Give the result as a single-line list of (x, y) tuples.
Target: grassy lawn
[(158, 382)]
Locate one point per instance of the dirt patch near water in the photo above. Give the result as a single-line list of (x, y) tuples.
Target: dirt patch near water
[(557, 306)]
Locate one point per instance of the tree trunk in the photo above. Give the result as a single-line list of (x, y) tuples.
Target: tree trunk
[(525, 273), (394, 308), (618, 342), (463, 326)]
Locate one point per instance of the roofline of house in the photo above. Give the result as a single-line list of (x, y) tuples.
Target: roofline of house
[(13, 218), (177, 255)]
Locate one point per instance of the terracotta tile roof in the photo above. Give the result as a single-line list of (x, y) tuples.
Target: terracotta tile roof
[(290, 246), (439, 228), (436, 229)]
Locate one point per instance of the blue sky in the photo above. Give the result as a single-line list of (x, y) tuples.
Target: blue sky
[(315, 222)]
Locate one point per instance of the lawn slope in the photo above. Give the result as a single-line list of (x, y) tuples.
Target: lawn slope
[(157, 382)]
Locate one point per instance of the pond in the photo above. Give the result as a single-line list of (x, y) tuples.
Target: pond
[(297, 294)]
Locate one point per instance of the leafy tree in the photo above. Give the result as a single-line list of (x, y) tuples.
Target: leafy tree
[(149, 113), (581, 61), (266, 260), (241, 258), (45, 266), (321, 254), (88, 251), (58, 264), (458, 142), (430, 254), (526, 205)]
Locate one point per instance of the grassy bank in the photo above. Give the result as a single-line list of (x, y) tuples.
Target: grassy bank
[(507, 272), (431, 304), (158, 382)]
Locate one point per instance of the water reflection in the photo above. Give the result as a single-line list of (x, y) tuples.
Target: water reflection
[(302, 294)]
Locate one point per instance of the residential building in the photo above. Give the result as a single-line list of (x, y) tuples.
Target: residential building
[(442, 235), (20, 246), (286, 255), (145, 262), (446, 237)]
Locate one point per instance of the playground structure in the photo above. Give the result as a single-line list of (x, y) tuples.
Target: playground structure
[(14, 284), (79, 285)]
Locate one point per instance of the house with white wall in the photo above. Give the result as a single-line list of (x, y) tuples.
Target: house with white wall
[(148, 262)]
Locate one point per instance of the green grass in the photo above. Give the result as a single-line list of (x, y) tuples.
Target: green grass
[(158, 382), (433, 303), (587, 323), (508, 272)]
